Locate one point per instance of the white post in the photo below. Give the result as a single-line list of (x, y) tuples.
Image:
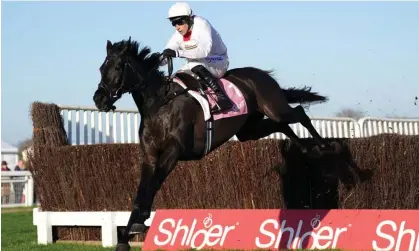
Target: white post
[(29, 192), (44, 227), (109, 230)]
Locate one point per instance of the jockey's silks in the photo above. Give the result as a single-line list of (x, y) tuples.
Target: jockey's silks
[(204, 41)]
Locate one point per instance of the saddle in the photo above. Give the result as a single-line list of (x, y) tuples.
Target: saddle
[(207, 99), (191, 80)]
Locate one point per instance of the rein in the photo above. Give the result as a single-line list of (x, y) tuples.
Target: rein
[(169, 68), (138, 86), (169, 78), (119, 91)]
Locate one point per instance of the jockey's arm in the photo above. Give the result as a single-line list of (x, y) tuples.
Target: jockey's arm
[(172, 44), (203, 45)]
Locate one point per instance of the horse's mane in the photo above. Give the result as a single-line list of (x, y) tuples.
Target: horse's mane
[(142, 54)]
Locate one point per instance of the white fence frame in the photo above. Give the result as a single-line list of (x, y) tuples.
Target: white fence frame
[(10, 177), (108, 221)]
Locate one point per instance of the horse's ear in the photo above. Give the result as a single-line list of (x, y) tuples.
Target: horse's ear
[(128, 44), (127, 47), (109, 47)]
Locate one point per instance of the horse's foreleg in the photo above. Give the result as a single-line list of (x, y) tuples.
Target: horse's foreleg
[(152, 177), (138, 212), (165, 165)]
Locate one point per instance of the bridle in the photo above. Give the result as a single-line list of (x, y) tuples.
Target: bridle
[(128, 64)]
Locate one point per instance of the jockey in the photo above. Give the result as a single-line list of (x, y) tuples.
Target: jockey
[(201, 45)]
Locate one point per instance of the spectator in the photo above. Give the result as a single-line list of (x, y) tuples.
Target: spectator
[(19, 166), (5, 188), (4, 166), (18, 186)]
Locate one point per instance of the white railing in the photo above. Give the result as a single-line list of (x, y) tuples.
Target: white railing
[(91, 126), (371, 126), (86, 125), (108, 221), (332, 127), (17, 189)]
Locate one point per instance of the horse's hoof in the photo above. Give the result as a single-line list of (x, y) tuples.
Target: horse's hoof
[(332, 148), (315, 152), (138, 229), (122, 247), (336, 146)]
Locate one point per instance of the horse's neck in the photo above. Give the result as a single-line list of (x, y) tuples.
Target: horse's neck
[(148, 103)]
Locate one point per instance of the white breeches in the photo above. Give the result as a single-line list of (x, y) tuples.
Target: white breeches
[(216, 65)]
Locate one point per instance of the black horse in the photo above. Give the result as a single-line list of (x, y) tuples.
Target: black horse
[(172, 121)]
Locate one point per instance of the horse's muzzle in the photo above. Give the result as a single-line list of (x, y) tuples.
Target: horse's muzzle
[(102, 102)]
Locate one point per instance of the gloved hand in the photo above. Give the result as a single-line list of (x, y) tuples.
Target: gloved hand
[(156, 54), (169, 53)]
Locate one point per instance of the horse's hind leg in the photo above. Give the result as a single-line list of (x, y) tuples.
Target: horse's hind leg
[(300, 116), (257, 128), (281, 112)]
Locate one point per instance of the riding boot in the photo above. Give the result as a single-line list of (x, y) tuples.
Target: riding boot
[(224, 102)]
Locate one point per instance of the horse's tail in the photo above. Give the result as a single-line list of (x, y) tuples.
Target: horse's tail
[(303, 95)]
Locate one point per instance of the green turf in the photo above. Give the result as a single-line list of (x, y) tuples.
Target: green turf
[(19, 234)]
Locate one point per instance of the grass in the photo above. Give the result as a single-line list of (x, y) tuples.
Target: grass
[(19, 234)]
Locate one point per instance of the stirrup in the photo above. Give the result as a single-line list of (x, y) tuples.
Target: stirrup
[(217, 109), (169, 78)]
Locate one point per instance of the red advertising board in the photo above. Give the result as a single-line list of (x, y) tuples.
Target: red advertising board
[(279, 229)]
